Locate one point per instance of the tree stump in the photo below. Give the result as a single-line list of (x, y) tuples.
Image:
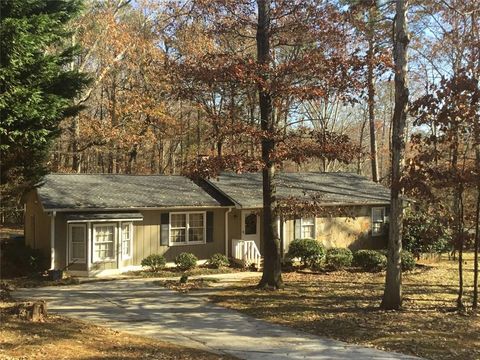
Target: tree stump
[(32, 310)]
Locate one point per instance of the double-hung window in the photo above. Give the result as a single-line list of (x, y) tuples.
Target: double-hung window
[(104, 242), (187, 228), (307, 230), (378, 221), (127, 235), (78, 241)]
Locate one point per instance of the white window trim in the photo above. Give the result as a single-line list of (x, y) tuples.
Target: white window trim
[(380, 222), (115, 232), (71, 259), (187, 213), (130, 224), (314, 226)]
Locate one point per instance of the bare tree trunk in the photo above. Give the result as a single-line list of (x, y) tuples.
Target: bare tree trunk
[(460, 237), (475, 65), (272, 273), (359, 159), (477, 238), (371, 95), (392, 297), (75, 130)]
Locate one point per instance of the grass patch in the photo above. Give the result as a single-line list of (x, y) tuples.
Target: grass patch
[(65, 338), (345, 305)]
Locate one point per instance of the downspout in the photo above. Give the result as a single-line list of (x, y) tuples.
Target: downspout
[(226, 230), (52, 240)]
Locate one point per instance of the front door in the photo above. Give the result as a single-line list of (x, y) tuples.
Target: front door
[(251, 226)]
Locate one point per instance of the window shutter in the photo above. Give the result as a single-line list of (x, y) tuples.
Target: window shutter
[(209, 226), (298, 233), (164, 228)]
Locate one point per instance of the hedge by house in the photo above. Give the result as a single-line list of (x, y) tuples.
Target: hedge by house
[(370, 260), (310, 251), (338, 258), (154, 262), (186, 261), (218, 261)]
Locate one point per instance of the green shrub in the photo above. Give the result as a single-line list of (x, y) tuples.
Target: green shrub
[(310, 251), (154, 262), (408, 261), (339, 258), (186, 261), (425, 232), (370, 260), (218, 261)]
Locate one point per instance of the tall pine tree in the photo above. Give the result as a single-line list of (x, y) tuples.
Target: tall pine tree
[(37, 86)]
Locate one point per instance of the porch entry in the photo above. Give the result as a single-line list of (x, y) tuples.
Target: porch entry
[(251, 226), (106, 242)]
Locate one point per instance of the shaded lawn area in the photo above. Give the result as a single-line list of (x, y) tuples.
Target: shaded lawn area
[(345, 306), (65, 338)]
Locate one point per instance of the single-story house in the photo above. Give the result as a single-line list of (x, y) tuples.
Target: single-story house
[(95, 224)]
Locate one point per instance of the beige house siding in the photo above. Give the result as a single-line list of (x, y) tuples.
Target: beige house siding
[(147, 237), (353, 231)]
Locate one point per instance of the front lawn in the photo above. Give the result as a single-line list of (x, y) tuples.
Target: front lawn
[(65, 338), (345, 306)]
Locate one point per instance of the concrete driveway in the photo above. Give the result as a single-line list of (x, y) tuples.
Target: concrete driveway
[(140, 307)]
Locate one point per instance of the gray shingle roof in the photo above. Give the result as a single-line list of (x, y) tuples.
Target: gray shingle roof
[(79, 191), (332, 188)]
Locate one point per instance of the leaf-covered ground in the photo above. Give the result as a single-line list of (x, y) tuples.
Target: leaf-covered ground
[(65, 338), (345, 306)]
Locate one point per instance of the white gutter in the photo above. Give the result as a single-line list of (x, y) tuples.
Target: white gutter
[(52, 240), (226, 230)]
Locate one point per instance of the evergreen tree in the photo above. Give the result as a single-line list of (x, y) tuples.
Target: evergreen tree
[(38, 83)]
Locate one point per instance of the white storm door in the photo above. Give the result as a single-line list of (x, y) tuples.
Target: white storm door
[(251, 226)]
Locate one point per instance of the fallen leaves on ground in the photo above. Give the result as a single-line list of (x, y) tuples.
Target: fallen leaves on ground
[(345, 306), (65, 338)]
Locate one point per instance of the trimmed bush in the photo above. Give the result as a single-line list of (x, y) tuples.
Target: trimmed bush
[(339, 258), (408, 261), (186, 261), (154, 262), (370, 260), (310, 251), (218, 261)]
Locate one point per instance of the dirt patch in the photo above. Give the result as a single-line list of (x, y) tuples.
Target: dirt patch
[(345, 306)]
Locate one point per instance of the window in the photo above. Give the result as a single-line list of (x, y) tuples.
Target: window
[(187, 228), (378, 220), (127, 235), (104, 242), (251, 224), (77, 235), (307, 228), (178, 228)]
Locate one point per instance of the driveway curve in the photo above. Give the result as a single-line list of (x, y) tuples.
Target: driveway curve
[(140, 307)]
